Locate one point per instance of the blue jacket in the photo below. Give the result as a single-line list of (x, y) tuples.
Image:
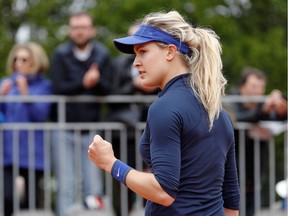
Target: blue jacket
[(26, 112)]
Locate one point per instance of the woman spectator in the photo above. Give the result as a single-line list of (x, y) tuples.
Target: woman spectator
[(25, 65)]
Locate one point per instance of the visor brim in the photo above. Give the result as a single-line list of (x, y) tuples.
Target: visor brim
[(126, 44)]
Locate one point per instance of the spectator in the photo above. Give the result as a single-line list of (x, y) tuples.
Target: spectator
[(126, 81), (253, 83), (26, 63), (80, 66)]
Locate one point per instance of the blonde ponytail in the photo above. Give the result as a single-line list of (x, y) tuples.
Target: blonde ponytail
[(207, 79)]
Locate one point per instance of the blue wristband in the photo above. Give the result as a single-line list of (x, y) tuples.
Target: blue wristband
[(120, 170)]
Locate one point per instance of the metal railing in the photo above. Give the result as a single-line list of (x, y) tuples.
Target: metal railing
[(106, 129)]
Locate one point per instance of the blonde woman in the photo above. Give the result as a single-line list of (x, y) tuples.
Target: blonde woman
[(26, 65), (188, 142)]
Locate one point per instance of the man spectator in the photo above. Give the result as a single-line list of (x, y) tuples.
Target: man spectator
[(126, 81), (80, 66), (253, 83)]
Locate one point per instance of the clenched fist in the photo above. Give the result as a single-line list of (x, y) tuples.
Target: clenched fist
[(101, 153)]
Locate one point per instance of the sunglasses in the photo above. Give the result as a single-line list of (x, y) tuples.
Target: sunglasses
[(23, 60)]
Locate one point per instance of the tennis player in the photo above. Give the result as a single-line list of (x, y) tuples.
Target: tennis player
[(188, 142)]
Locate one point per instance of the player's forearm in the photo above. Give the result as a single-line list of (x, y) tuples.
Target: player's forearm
[(146, 185), (231, 212)]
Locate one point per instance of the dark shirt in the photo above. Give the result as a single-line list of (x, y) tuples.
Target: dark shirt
[(67, 74), (129, 113), (192, 164), (244, 114)]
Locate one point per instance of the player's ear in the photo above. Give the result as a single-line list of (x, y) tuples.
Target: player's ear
[(171, 52)]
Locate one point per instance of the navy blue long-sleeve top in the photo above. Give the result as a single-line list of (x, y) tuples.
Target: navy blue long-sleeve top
[(192, 164)]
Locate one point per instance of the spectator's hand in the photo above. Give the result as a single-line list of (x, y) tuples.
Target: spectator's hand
[(101, 153), (22, 84), (258, 132), (5, 87), (91, 77), (276, 102)]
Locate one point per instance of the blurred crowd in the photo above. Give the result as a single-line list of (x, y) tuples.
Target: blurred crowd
[(83, 66)]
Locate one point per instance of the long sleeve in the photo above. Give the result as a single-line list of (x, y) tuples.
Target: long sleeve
[(230, 192), (249, 115)]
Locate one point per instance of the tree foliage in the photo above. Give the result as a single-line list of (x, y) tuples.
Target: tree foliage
[(252, 32)]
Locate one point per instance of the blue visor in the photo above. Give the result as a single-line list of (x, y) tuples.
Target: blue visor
[(145, 34)]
